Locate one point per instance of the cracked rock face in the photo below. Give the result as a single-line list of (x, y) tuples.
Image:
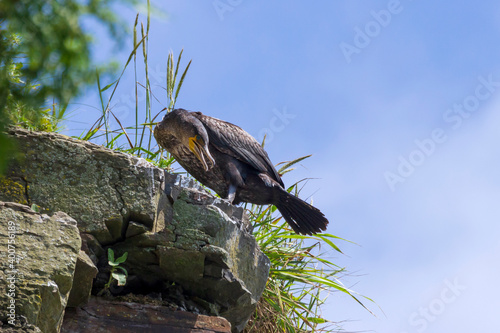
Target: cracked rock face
[(38, 254), (103, 190), (175, 233)]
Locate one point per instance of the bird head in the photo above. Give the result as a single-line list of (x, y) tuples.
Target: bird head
[(190, 132)]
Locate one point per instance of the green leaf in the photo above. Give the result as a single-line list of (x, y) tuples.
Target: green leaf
[(120, 278), (122, 269), (122, 258), (111, 143), (182, 80), (317, 320), (111, 255), (108, 86), (89, 134), (329, 242)]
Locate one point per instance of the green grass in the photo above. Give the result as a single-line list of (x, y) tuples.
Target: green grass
[(301, 275)]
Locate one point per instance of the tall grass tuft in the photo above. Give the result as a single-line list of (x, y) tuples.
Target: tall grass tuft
[(301, 277), (143, 144)]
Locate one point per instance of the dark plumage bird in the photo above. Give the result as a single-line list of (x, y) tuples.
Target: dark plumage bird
[(230, 161)]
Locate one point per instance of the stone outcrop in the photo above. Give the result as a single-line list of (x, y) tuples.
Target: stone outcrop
[(38, 254), (184, 245), (101, 189), (123, 317)]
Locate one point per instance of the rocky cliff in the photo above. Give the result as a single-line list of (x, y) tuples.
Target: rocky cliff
[(187, 250)]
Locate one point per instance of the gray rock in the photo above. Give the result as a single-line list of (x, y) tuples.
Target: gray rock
[(92, 247), (204, 250), (100, 188), (135, 229), (40, 252), (85, 272), (125, 317), (173, 229)]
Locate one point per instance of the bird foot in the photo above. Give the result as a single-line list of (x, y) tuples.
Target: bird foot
[(231, 194)]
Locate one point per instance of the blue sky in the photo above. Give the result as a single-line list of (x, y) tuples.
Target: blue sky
[(416, 102)]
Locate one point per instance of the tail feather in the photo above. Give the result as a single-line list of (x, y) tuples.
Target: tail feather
[(301, 216)]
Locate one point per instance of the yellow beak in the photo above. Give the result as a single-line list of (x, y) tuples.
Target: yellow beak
[(199, 149)]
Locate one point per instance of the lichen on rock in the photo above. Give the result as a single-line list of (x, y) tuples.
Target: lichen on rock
[(38, 255), (184, 246)]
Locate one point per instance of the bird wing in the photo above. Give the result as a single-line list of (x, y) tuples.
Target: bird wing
[(234, 141)]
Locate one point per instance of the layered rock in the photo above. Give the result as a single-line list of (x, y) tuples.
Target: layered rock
[(123, 317), (177, 235), (101, 189), (38, 254)]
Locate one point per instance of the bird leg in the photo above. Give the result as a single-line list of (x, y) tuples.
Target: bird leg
[(231, 193)]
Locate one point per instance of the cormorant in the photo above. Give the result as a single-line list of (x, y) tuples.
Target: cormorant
[(230, 161)]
